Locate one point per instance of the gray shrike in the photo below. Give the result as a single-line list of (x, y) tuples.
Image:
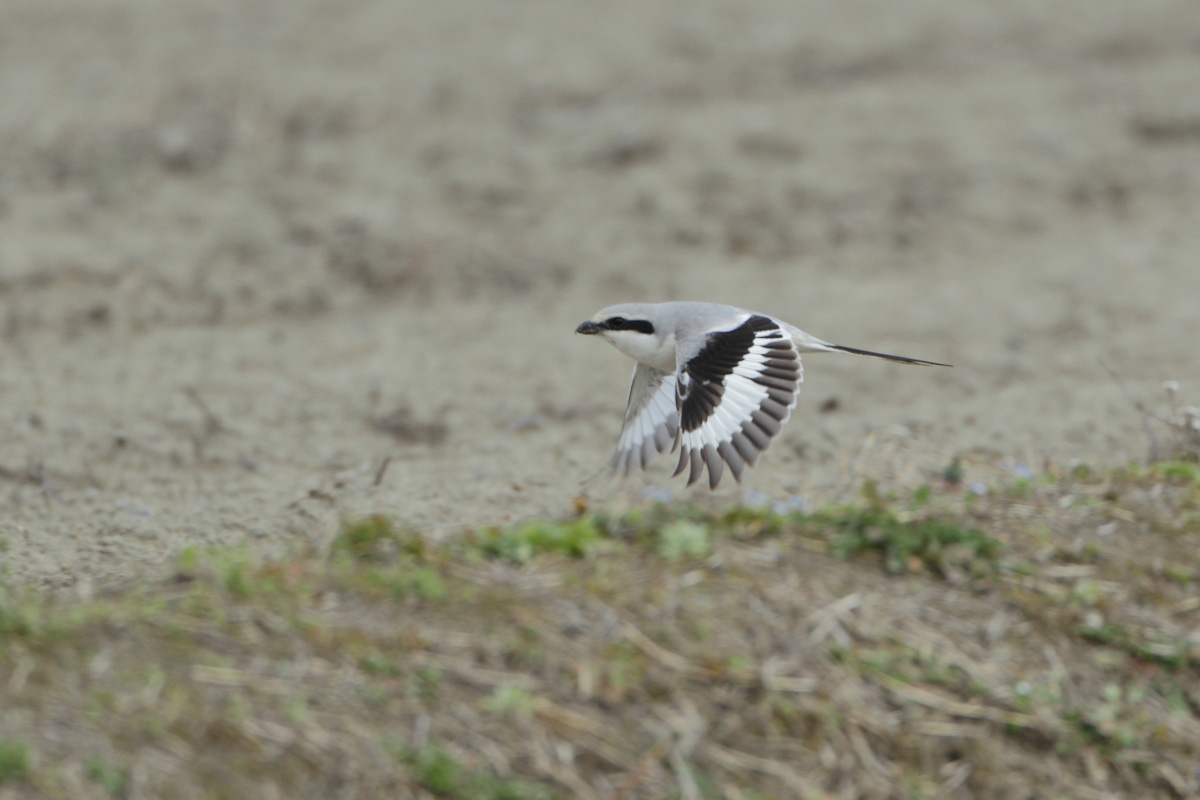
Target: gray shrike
[(717, 382)]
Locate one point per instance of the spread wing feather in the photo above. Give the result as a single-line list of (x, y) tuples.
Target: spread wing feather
[(722, 408), (651, 420), (734, 396)]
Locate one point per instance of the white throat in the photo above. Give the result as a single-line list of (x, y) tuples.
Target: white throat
[(646, 348)]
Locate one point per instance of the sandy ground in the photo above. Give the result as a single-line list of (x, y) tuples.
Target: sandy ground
[(266, 264)]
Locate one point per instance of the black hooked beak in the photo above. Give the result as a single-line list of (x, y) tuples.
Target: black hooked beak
[(589, 328)]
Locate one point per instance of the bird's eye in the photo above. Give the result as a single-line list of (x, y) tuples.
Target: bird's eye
[(616, 323)]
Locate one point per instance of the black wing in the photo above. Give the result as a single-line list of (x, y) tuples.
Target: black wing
[(734, 396)]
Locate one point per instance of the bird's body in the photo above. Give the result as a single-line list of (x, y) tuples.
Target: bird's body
[(715, 381)]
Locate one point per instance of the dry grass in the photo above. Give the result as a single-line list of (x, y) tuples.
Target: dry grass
[(1039, 638)]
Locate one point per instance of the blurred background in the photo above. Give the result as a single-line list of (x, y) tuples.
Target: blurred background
[(266, 264)]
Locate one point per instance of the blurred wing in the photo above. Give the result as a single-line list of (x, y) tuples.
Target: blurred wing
[(651, 421), (734, 396)]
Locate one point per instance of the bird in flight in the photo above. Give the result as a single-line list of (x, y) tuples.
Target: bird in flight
[(715, 381)]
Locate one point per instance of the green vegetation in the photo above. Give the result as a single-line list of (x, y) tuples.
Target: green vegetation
[(109, 777), (434, 769), (372, 556), (562, 658), (1183, 471), (577, 538), (933, 543), (510, 699), (1175, 652), (684, 539), (14, 761)]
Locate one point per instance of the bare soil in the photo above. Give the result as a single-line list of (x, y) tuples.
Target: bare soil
[(268, 266), (235, 239)]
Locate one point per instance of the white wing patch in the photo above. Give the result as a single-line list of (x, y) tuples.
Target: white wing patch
[(651, 420), (734, 396)]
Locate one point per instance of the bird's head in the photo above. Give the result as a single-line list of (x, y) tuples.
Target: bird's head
[(635, 330)]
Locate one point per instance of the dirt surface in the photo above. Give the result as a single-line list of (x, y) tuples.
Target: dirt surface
[(266, 265)]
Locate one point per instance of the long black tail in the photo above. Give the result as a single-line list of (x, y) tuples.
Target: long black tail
[(901, 359)]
